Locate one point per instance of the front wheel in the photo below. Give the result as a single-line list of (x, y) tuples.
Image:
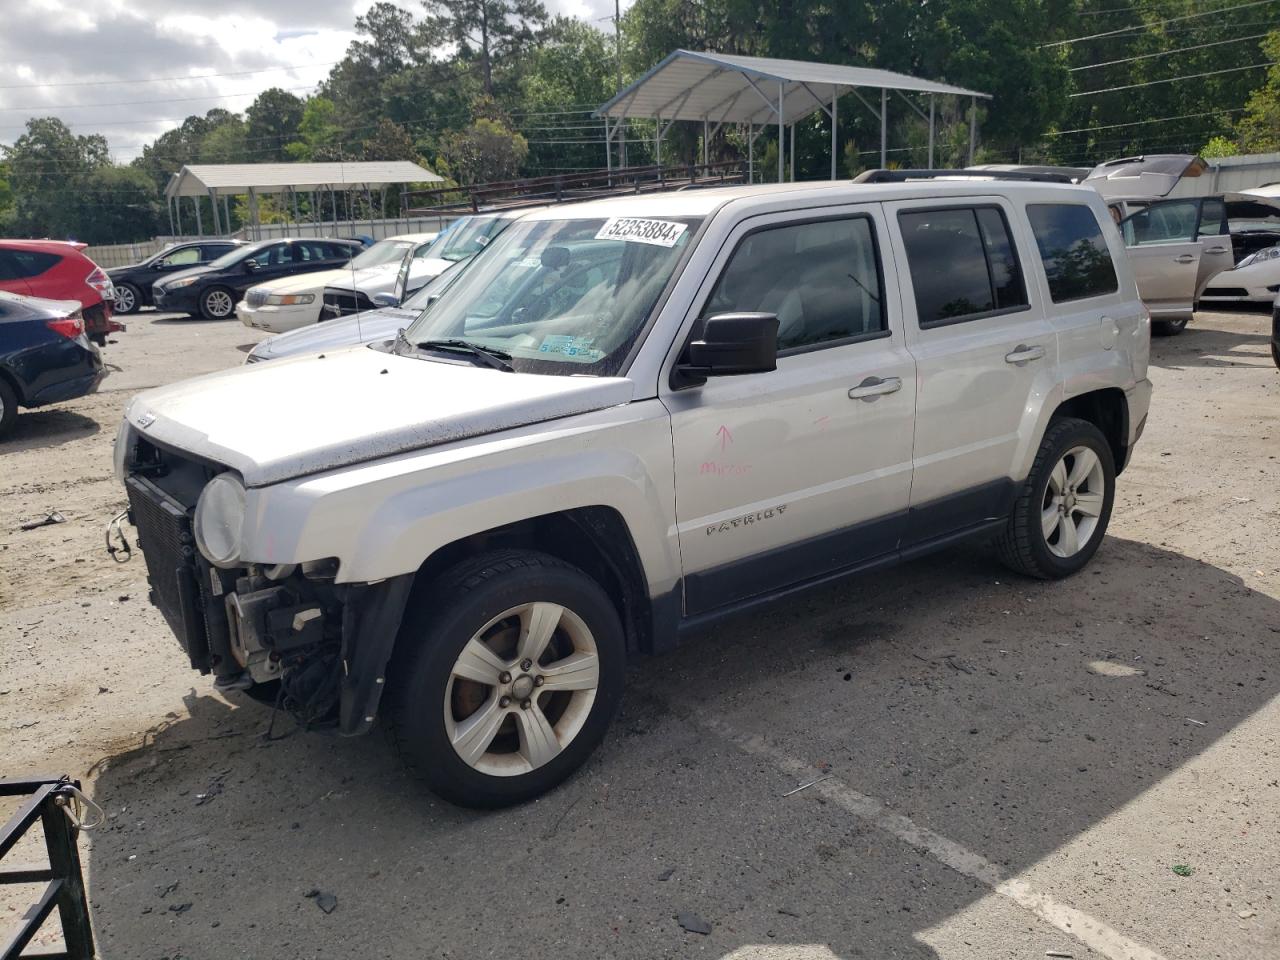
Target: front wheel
[(1275, 353), (507, 675), (1168, 328), (128, 299), (1061, 512), (216, 303), (8, 408)]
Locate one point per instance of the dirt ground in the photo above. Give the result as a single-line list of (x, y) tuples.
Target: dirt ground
[(1013, 768)]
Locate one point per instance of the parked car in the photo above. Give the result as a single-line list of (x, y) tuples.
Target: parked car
[(59, 270), (464, 238), (291, 302), (1275, 331), (214, 289), (45, 355), (372, 327), (626, 419), (133, 282), (1185, 251)]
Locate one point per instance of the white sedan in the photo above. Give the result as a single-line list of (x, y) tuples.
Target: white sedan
[(292, 302), (1255, 279)]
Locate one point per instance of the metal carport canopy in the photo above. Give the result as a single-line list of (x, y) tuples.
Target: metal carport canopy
[(726, 88), (236, 179)]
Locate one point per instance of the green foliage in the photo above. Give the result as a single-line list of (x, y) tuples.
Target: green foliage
[(483, 152), (1259, 128), (489, 33), (272, 122), (318, 132), (49, 165), (1219, 147)]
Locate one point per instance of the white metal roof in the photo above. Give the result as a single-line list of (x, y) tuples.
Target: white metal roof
[(722, 87), (234, 179)]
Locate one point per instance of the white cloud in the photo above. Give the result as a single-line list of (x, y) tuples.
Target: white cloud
[(76, 48)]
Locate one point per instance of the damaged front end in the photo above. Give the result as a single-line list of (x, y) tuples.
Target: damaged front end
[(287, 633)]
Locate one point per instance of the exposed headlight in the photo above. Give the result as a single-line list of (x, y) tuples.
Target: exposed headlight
[(1271, 253), (290, 299), (184, 282), (120, 453), (220, 519)]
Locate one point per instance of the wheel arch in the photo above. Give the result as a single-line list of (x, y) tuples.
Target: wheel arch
[(13, 383), (1108, 410)]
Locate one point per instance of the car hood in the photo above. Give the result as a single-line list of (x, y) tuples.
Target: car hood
[(428, 267), (167, 279), (386, 405), (114, 272), (370, 327), (379, 279), (303, 282)]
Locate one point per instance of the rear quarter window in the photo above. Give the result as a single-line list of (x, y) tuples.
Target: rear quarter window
[(21, 264), (1077, 263)]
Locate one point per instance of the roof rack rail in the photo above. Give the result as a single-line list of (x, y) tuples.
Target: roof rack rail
[(902, 176)]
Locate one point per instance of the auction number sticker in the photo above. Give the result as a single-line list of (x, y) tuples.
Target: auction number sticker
[(660, 233)]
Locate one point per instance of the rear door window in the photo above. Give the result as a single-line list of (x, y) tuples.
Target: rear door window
[(1074, 252), (963, 264), (183, 257), (1172, 221), (1213, 218)]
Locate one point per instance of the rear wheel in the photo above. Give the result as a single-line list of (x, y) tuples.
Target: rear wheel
[(1062, 510), (8, 408), (1168, 328), (216, 303), (507, 675), (128, 299), (1275, 353)]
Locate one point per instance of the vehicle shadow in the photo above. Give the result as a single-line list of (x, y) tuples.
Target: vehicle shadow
[(960, 696), (47, 427), (1200, 345), (183, 319)]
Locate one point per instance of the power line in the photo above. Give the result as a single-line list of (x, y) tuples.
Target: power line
[(1189, 76), (1156, 23), (131, 103), (1138, 123), (197, 76), (1165, 53)]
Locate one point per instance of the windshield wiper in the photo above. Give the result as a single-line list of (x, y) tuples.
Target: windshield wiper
[(489, 358)]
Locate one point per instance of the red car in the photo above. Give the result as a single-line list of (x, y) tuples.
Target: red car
[(57, 270)]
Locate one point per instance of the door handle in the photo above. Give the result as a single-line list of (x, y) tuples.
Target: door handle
[(1217, 250), (873, 387), (1024, 354), (1185, 258)]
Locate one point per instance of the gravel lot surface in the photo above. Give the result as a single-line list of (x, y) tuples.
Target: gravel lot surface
[(1013, 767)]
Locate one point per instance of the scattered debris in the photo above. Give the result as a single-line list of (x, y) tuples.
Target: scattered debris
[(325, 901), (179, 908), (1246, 914), (788, 913), (169, 889), (215, 788), (1198, 723), (1059, 953), (1109, 668), (667, 874), (805, 786), (50, 518), (693, 923), (1182, 870)]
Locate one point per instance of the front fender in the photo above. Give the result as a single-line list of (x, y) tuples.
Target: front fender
[(385, 518)]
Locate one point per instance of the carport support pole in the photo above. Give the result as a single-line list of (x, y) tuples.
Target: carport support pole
[(705, 161), (333, 195), (253, 214), (931, 131), (884, 127), (793, 153), (226, 212), (195, 202), (169, 203), (213, 205), (293, 192), (751, 153), (657, 145), (973, 127), (177, 206), (782, 132), (834, 98)]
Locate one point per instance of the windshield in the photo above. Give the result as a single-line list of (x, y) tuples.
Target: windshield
[(467, 239), (235, 256), (561, 296), (384, 251)]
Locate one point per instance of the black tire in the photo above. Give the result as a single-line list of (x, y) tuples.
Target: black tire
[(8, 408), (1275, 353), (1023, 545), (133, 299), (1168, 328), (441, 621), (211, 300)]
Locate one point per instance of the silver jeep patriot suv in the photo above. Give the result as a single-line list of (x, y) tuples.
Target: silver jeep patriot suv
[(625, 418)]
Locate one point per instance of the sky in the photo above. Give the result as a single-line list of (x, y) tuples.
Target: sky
[(131, 69)]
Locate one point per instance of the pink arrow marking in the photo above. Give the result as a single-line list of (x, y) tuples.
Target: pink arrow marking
[(726, 437)]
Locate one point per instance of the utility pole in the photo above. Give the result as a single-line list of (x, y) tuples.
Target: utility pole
[(617, 39)]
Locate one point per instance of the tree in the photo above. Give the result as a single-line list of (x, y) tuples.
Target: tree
[(573, 64), (1259, 128), (486, 29), (389, 142), (116, 205), (1219, 147), (273, 120), (319, 136), (484, 152), (48, 165)]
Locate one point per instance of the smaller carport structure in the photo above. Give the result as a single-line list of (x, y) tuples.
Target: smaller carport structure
[(289, 179), (720, 88)]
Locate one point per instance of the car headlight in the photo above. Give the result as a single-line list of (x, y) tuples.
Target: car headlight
[(184, 282), (290, 299), (220, 519), (1261, 256)]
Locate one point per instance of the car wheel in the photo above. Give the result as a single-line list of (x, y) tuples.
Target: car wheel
[(1275, 353), (506, 677), (1061, 512), (127, 298), (8, 407), (1168, 328), (217, 303)]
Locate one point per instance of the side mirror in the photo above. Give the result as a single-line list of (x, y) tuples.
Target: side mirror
[(160, 265), (251, 266), (385, 300), (731, 344)]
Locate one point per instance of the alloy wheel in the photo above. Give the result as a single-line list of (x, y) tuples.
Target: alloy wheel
[(218, 303), (1073, 501), (521, 689), (125, 299)]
